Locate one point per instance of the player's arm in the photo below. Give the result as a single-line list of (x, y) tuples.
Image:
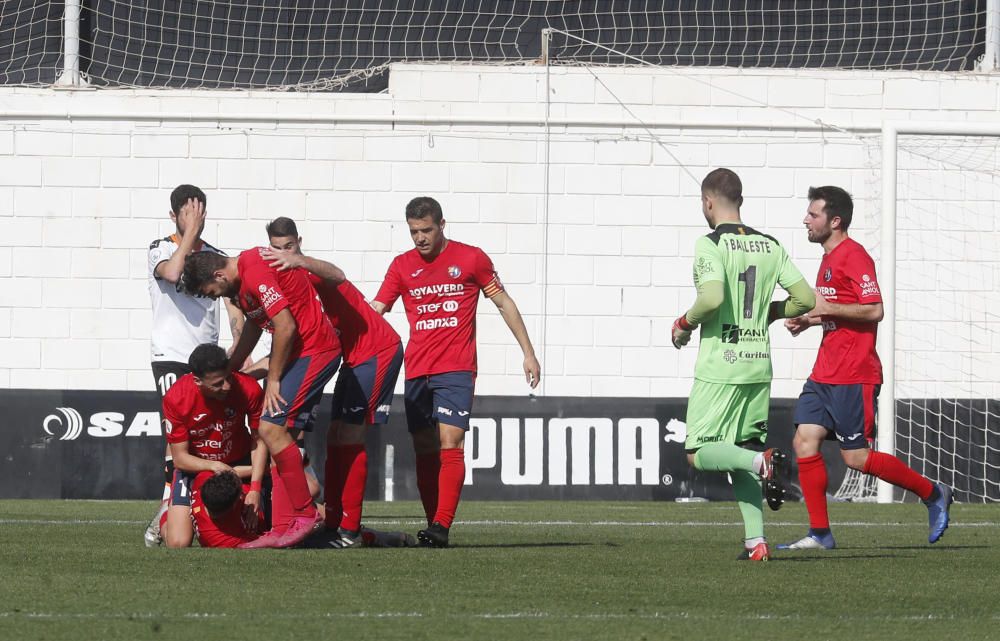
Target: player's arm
[(258, 459), (512, 316), (185, 461), (192, 218), (801, 299), (287, 260), (871, 312), (244, 346), (236, 321), (258, 369), (282, 341), (708, 301), (390, 290)]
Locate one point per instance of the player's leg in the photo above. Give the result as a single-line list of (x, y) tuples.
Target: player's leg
[(813, 423), (713, 421), (302, 386), (366, 400), (419, 404), (178, 530), (753, 401), (453, 397), (855, 417), (165, 374)]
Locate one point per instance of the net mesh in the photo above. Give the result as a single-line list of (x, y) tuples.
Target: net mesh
[(318, 45), (948, 311)]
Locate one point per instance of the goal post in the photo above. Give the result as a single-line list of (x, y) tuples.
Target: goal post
[(951, 360)]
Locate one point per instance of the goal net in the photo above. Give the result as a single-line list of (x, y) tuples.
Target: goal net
[(317, 45), (947, 419)]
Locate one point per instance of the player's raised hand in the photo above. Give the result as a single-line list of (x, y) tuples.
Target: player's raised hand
[(680, 333), (532, 371), (282, 260), (191, 218)]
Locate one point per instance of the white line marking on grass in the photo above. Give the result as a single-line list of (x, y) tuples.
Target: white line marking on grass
[(69, 522)]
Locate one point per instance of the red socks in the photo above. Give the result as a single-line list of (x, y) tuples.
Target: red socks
[(428, 469), (353, 459), (450, 481), (281, 510), (813, 479), (890, 469), (346, 473), (289, 464)]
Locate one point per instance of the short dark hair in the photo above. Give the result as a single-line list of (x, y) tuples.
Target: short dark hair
[(220, 491), (182, 193), (725, 183), (281, 227), (837, 203), (199, 269), (207, 357), (422, 207)]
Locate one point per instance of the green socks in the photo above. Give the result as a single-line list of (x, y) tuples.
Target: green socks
[(746, 487)]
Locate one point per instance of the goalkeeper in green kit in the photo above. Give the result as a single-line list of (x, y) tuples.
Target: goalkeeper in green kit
[(736, 270)]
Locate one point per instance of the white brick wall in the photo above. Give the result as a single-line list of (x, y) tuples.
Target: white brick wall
[(81, 201)]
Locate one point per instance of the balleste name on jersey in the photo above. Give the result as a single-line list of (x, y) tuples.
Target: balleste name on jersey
[(748, 246), (441, 289)]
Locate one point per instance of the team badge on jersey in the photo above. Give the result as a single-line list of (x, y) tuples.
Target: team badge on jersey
[(828, 275), (454, 271)]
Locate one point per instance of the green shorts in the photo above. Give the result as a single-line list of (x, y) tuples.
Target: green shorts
[(726, 413)]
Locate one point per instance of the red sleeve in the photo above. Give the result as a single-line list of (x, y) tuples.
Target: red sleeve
[(391, 286), (255, 401), (262, 281), (486, 275), (174, 427), (863, 280)]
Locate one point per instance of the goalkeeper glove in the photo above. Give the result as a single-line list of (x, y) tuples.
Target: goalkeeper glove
[(680, 333)]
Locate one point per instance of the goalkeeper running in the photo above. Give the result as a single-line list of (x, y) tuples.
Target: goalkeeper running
[(736, 270)]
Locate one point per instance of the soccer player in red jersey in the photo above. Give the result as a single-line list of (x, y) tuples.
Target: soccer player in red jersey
[(211, 417), (839, 398), (218, 505), (305, 354), (439, 281), (373, 356)]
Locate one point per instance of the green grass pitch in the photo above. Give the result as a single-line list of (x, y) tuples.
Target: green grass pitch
[(522, 571)]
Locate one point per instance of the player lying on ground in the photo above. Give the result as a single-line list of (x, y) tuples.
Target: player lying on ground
[(305, 354), (218, 499), (211, 417), (736, 270), (839, 399), (373, 356)]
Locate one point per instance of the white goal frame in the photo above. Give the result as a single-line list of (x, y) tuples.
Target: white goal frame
[(891, 130)]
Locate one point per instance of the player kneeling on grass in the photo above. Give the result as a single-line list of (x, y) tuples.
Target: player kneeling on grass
[(211, 417)]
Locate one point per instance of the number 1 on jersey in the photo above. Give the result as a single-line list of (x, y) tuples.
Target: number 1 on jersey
[(750, 278)]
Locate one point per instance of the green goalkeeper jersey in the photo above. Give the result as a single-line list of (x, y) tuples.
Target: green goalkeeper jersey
[(735, 344)]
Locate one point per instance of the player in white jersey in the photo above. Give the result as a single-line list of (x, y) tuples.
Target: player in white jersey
[(180, 322)]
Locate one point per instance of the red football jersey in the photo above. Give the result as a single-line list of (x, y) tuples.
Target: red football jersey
[(362, 331), (265, 291), (215, 430), (847, 354), (223, 530), (440, 298)]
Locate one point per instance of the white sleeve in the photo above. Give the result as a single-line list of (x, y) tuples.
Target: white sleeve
[(159, 251)]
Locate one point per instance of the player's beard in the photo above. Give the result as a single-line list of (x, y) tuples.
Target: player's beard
[(819, 237)]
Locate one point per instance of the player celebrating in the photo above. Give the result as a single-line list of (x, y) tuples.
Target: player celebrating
[(373, 355), (839, 397), (305, 354), (736, 269), (207, 414), (180, 322), (440, 281)]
